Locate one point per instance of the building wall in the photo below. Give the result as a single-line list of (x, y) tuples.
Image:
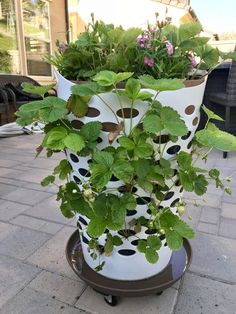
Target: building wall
[(57, 21)]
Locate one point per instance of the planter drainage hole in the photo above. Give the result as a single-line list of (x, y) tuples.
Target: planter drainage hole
[(165, 244), (195, 121), (126, 252), (124, 189), (173, 149), (113, 178), (79, 225), (109, 126), (151, 231), (126, 233), (84, 172), (89, 161), (74, 158), (189, 145), (185, 137), (162, 237), (99, 140), (168, 196), (135, 242), (83, 221), (127, 113), (92, 112), (174, 202), (77, 180), (163, 139), (189, 110), (143, 200), (77, 124), (85, 240), (131, 212)]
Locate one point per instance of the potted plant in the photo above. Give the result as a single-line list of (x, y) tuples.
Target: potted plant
[(128, 132)]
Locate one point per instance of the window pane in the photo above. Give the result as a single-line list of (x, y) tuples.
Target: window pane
[(9, 53), (37, 36)]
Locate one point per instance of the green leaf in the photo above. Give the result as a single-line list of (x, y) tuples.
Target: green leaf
[(173, 122), (142, 246), (214, 173), (174, 240), (78, 105), (186, 181), (129, 201), (151, 255), (132, 88), (161, 84), (216, 138), (145, 185), (38, 90), (143, 150), (105, 78), (154, 242), (117, 240), (189, 30), (74, 141), (200, 185), (123, 76), (96, 227), (123, 170), (184, 160), (184, 230), (142, 167), (63, 169), (152, 124), (85, 89), (211, 115), (126, 143), (108, 247), (144, 95), (48, 180), (82, 207), (129, 36), (66, 210), (103, 158), (228, 55), (166, 168), (91, 130), (100, 175), (118, 213), (54, 139)]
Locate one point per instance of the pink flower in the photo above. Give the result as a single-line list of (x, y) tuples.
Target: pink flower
[(193, 61), (149, 62), (63, 47), (169, 47)]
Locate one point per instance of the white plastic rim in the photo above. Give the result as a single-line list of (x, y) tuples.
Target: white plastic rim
[(126, 263)]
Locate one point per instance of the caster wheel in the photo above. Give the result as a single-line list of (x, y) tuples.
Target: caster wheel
[(159, 293), (110, 300)]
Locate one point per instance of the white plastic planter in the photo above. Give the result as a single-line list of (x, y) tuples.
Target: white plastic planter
[(126, 263)]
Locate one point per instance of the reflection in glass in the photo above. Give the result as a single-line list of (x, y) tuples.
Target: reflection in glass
[(36, 35), (9, 53)]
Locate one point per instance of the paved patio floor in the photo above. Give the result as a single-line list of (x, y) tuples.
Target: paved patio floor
[(36, 279)]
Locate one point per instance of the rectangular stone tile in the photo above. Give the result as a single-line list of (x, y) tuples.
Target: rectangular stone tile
[(214, 256), (14, 275), (228, 210), (29, 301), (227, 227), (6, 230), (62, 288), (21, 242), (25, 196), (208, 199), (6, 189), (210, 215), (94, 303), (36, 224), (14, 182), (51, 256), (42, 163), (49, 210), (207, 228), (34, 175), (8, 163), (9, 210), (38, 187), (192, 215), (203, 295), (16, 156)]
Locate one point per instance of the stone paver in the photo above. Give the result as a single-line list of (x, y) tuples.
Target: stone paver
[(207, 228), (203, 295), (35, 277), (14, 275), (59, 287), (228, 227), (210, 215), (228, 210), (9, 210), (22, 242), (92, 302), (29, 301)]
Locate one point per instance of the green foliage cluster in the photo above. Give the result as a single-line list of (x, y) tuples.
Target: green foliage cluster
[(138, 160), (106, 47)]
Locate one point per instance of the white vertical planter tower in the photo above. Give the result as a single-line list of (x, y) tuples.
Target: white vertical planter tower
[(126, 263)]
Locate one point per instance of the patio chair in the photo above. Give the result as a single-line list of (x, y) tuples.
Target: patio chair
[(227, 99), (12, 85), (4, 106)]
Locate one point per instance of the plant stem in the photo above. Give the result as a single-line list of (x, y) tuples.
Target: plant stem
[(106, 104), (131, 116)]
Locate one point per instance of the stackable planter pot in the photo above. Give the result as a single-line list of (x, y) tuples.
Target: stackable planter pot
[(126, 263)]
